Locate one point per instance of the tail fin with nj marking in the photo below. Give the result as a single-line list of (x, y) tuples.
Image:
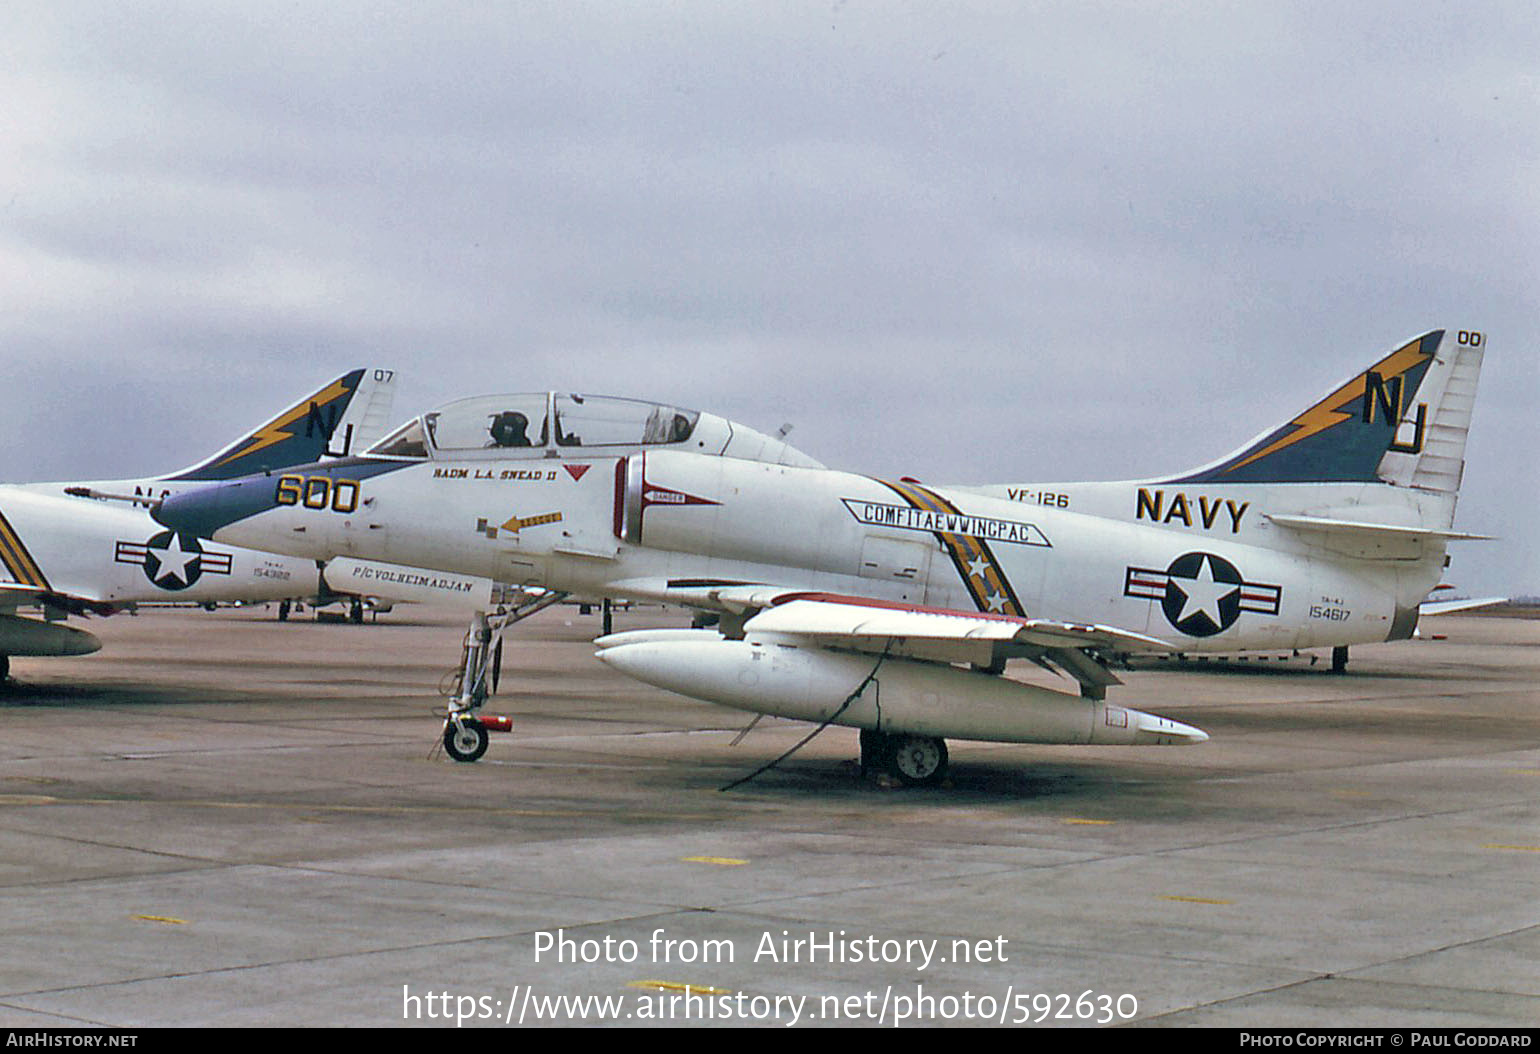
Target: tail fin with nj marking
[(1372, 468), (344, 417), (1402, 421)]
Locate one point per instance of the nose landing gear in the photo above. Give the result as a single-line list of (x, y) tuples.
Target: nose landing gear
[(465, 729)]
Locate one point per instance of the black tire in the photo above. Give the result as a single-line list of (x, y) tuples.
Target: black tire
[(283, 611), (876, 752), (918, 761), (466, 741), (356, 611)]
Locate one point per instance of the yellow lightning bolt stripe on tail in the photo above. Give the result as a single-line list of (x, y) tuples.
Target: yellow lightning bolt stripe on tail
[(1328, 412), (274, 431)]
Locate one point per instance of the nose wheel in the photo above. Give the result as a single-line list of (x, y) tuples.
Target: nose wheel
[(465, 740)]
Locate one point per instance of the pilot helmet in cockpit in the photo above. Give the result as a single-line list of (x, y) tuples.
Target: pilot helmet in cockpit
[(509, 428)]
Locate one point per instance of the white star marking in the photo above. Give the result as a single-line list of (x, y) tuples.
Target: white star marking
[(1203, 594), (173, 561), (995, 603), (977, 566)]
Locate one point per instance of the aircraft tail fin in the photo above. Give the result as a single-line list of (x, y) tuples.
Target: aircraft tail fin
[(1402, 420), (346, 416)]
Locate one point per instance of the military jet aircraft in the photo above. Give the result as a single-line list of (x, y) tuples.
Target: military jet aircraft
[(892, 606), (66, 554)]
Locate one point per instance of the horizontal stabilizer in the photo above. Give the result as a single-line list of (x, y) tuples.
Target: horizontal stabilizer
[(1382, 530), (1450, 607)]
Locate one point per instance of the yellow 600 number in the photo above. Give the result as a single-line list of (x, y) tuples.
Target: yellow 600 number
[(318, 492)]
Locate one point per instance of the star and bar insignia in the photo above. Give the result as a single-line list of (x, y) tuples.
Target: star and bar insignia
[(1202, 594), (173, 561)]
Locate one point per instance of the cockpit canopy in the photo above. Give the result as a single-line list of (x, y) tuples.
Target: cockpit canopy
[(567, 424)]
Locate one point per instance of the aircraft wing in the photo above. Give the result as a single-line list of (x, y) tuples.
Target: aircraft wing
[(881, 627), (832, 618), (16, 594), (867, 625)]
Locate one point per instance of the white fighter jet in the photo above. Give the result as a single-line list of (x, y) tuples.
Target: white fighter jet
[(887, 605), (65, 554)]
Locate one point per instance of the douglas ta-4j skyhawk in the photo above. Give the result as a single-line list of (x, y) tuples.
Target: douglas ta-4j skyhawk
[(65, 554), (892, 606)]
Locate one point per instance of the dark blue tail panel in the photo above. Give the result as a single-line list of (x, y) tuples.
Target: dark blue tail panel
[(297, 436), (1343, 437)]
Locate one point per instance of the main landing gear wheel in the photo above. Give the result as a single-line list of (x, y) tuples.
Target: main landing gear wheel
[(465, 740), (915, 761), (919, 761)]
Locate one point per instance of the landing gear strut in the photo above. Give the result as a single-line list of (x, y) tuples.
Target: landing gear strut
[(465, 735), (915, 761)]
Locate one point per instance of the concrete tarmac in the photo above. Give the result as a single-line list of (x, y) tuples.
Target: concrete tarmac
[(221, 819)]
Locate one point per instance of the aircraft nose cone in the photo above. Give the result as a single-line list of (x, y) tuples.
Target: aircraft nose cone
[(203, 511)]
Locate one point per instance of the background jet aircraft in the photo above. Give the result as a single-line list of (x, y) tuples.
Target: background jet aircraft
[(64, 554), (851, 600)]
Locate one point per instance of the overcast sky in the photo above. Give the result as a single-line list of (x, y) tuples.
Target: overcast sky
[(963, 242)]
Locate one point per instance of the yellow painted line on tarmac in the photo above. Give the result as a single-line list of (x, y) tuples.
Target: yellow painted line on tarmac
[(1089, 823), (167, 919), (1516, 848), (719, 861), (1195, 900), (679, 986)]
